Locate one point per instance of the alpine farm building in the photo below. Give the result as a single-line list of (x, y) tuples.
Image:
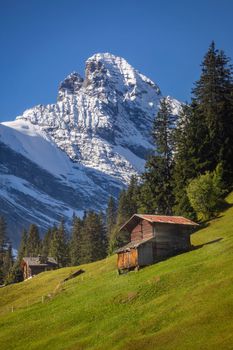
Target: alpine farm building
[(154, 238), (31, 266)]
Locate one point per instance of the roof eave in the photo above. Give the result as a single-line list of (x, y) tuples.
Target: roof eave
[(127, 222)]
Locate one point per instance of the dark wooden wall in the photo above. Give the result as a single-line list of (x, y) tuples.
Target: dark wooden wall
[(171, 239), (146, 254), (38, 269), (34, 270)]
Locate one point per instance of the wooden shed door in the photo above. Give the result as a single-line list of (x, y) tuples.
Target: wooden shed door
[(126, 260), (133, 257), (120, 261)]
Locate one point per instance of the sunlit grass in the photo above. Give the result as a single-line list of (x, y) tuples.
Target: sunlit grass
[(185, 302)]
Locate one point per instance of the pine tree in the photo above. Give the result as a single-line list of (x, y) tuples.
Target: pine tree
[(53, 241), (156, 193), (59, 245), (64, 245), (122, 212), (75, 242), (86, 242), (188, 151), (34, 243), (132, 193), (3, 248), (8, 263), (111, 213), (22, 251), (6, 256), (93, 239), (46, 243), (213, 97), (16, 273), (127, 206), (204, 129), (119, 238), (99, 237), (3, 239)]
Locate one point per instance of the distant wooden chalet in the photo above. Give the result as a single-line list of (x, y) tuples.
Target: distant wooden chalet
[(154, 238), (31, 266)]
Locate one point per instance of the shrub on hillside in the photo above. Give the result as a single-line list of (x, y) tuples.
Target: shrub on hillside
[(205, 194)]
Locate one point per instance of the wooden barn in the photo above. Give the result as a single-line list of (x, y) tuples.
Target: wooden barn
[(154, 238), (31, 266)]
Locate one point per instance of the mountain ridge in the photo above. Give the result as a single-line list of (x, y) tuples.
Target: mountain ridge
[(98, 133)]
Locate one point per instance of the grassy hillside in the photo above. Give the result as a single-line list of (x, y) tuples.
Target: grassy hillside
[(185, 302)]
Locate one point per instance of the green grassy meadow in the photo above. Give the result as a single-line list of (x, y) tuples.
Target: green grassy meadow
[(185, 302)]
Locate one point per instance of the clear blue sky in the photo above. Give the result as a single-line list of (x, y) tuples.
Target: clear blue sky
[(41, 41)]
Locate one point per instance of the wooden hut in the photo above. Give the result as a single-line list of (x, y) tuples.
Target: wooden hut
[(153, 238), (31, 266)]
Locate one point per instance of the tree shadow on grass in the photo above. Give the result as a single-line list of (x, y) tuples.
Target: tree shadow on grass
[(207, 243)]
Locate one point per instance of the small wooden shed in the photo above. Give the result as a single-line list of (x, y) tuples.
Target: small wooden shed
[(153, 238), (31, 266)]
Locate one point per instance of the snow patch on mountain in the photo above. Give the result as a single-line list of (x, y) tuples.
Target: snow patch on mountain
[(76, 152), (19, 185), (35, 144)]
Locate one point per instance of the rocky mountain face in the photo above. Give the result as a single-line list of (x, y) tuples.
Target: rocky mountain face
[(70, 156)]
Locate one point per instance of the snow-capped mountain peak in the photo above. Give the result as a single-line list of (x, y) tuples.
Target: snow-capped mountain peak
[(98, 117), (70, 86), (95, 137), (105, 68)]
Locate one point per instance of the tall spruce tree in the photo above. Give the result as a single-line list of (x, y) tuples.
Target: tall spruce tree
[(22, 251), (127, 206), (132, 197), (100, 237), (59, 248), (111, 213), (8, 262), (75, 242), (86, 242), (3, 248), (6, 255), (123, 212), (46, 242), (33, 243), (205, 129), (190, 145), (156, 194), (213, 97), (16, 274), (3, 239), (117, 238), (93, 240)]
